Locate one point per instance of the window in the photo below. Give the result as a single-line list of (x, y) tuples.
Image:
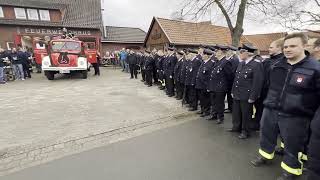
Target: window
[(1, 12), (20, 13), (44, 15), (33, 14), (10, 45)]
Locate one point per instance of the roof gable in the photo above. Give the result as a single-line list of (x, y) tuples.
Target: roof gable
[(123, 34)]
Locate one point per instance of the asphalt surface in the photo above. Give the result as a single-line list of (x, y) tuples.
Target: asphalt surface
[(196, 150)]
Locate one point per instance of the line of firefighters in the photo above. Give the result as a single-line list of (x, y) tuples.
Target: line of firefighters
[(284, 90)]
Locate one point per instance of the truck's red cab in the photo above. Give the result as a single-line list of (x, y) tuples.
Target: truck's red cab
[(39, 51), (65, 56)]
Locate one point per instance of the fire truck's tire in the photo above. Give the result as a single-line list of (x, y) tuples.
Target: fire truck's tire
[(84, 74), (50, 75)]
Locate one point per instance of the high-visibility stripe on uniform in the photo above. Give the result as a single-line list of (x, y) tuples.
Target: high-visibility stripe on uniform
[(290, 170), (282, 145), (266, 155), (304, 157)]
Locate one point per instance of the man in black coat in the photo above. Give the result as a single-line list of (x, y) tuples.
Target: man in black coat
[(142, 66), (234, 59), (314, 145), (148, 66), (292, 99), (177, 73), (221, 77), (202, 80), (169, 65), (246, 90), (133, 62), (275, 52), (190, 81), (159, 67)]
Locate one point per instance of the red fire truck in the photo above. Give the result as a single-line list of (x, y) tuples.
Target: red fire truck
[(65, 56)]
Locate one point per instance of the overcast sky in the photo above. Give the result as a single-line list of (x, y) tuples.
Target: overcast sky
[(139, 13)]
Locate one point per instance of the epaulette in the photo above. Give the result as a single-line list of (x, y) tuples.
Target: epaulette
[(256, 60)]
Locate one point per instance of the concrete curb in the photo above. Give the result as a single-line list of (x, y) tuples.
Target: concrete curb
[(17, 158)]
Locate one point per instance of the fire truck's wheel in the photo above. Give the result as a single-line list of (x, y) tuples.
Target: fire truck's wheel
[(50, 75), (84, 74)]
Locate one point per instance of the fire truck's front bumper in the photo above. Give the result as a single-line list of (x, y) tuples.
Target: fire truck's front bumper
[(64, 70)]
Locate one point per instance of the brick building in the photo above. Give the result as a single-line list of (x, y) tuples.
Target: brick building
[(22, 21), (116, 38)]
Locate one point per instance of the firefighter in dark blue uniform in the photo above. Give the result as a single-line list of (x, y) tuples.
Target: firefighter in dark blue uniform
[(221, 77), (149, 65), (234, 59), (245, 90), (314, 147), (291, 102), (202, 80), (142, 61), (170, 63), (164, 69), (160, 72), (177, 73), (183, 74), (190, 82)]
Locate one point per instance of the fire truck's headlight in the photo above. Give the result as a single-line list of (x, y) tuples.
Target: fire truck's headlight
[(46, 62), (82, 62)]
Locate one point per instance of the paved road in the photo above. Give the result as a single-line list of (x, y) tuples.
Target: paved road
[(196, 150), (38, 111)]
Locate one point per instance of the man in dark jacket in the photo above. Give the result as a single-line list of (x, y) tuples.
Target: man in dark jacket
[(234, 59), (245, 90), (314, 145), (202, 81), (159, 67), (190, 81), (148, 66), (133, 62), (169, 65), (292, 99), (17, 58), (177, 74), (221, 76)]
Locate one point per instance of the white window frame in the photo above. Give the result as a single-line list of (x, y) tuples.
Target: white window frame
[(31, 13), (1, 12), (43, 18), (8, 45), (18, 14)]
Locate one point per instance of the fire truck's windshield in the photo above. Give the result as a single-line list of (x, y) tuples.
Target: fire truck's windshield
[(65, 46)]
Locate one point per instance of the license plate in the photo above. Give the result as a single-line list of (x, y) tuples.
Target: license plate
[(64, 71)]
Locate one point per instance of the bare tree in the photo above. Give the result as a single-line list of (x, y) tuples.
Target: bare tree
[(177, 15), (288, 13)]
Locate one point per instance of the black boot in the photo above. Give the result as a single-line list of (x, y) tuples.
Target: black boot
[(287, 176), (260, 161), (243, 135), (279, 151), (220, 121), (212, 118)]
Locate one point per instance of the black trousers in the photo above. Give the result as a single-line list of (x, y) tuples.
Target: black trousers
[(170, 85), (217, 99), (149, 77), (133, 70), (179, 89), (230, 100), (26, 70), (96, 68), (155, 75), (241, 115), (314, 146), (204, 97), (258, 104), (293, 130), (143, 74), (192, 96)]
